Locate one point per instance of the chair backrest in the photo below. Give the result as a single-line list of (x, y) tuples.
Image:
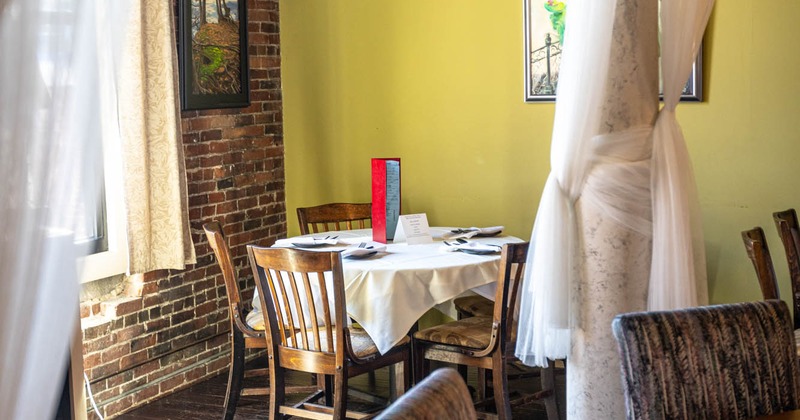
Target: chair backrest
[(510, 277), (731, 361), (216, 239), (334, 216), (441, 395), (786, 222), (755, 243), (302, 295)]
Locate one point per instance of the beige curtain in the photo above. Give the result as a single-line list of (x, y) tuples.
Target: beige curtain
[(155, 176)]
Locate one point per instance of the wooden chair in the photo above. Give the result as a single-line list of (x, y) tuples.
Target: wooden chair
[(731, 361), (247, 332), (302, 293), (755, 243), (441, 395), (786, 222), (487, 342), (334, 216), (467, 306)]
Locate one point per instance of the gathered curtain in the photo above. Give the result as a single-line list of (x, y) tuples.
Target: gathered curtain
[(156, 197), (678, 272), (641, 179)]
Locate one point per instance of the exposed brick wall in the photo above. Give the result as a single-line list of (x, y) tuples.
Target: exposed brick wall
[(174, 334)]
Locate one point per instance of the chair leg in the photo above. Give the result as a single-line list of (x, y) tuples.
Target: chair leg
[(277, 389), (329, 390), (548, 382), (340, 394), (464, 372), (235, 374), (421, 365), (406, 375), (500, 385), (482, 374)]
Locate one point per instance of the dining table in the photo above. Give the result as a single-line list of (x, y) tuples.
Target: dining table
[(389, 290)]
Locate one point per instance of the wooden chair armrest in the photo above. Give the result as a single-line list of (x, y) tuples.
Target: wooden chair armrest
[(238, 319)]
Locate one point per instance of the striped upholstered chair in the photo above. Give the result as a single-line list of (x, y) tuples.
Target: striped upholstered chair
[(441, 395), (733, 361)]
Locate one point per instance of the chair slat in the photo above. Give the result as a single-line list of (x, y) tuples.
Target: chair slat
[(312, 311), (755, 243), (334, 216), (326, 312), (786, 222), (287, 307)]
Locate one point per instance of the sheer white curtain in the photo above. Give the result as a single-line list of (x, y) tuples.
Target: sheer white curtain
[(49, 84), (678, 271), (552, 264), (678, 276)]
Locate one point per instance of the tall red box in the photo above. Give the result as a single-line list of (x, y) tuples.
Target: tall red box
[(385, 198)]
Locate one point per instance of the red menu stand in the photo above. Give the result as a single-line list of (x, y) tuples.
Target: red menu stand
[(385, 198)]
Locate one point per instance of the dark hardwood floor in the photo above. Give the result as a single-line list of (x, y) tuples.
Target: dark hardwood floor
[(205, 400)]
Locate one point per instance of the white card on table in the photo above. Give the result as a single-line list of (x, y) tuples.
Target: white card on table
[(413, 229)]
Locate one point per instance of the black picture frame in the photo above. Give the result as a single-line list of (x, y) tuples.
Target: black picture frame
[(543, 57), (212, 47)]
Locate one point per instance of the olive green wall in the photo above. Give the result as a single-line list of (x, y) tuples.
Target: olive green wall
[(439, 84)]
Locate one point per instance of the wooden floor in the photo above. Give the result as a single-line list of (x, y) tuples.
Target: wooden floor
[(205, 400)]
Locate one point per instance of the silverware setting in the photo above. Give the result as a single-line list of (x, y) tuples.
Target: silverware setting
[(464, 242)]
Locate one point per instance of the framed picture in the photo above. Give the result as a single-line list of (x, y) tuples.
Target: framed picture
[(544, 29), (213, 54)]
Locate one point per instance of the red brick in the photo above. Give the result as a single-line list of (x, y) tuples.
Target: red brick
[(128, 333), (119, 406), (133, 359), (115, 352), (91, 361), (146, 394), (172, 383), (143, 370)]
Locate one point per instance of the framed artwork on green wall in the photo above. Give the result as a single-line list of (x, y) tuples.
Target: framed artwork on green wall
[(212, 46), (544, 22)]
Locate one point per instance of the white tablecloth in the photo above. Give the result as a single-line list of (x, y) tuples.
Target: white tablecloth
[(388, 292)]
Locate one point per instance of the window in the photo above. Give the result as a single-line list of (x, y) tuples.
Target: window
[(101, 224)]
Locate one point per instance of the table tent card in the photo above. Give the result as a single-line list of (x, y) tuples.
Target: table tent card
[(413, 229), (385, 198)]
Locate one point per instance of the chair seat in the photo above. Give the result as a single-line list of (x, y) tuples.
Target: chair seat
[(474, 332), (255, 320), (363, 346), (474, 305)]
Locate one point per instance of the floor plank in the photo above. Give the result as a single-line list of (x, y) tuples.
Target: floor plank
[(205, 400)]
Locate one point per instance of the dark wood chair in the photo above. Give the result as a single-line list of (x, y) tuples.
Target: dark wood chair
[(245, 332), (488, 342), (467, 306), (334, 216), (732, 361), (755, 243), (302, 294), (441, 395), (786, 222)]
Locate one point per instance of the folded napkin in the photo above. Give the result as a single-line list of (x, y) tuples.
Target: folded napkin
[(308, 241), (363, 249), (473, 231), (472, 247)]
